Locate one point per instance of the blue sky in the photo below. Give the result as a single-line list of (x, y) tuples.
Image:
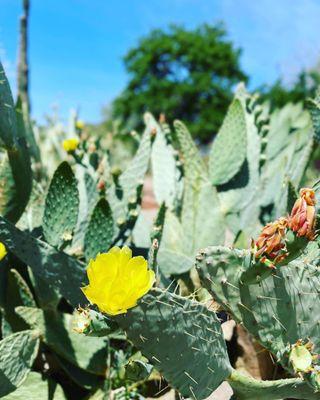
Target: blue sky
[(76, 45)]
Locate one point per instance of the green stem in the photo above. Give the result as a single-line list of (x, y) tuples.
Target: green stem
[(247, 388)]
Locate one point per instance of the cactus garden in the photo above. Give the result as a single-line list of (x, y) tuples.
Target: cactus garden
[(101, 300)]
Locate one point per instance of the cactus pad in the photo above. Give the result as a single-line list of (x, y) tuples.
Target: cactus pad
[(229, 148), (100, 231), (61, 208), (183, 340), (17, 353)]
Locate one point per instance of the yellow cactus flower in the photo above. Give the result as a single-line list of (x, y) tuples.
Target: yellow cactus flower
[(79, 124), (70, 145), (117, 280), (3, 251)]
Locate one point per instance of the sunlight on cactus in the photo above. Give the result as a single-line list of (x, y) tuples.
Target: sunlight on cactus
[(117, 280), (130, 255)]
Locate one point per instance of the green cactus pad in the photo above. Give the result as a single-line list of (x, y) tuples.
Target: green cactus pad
[(182, 339), (174, 263), (8, 122), (219, 270), (290, 142), (209, 223), (88, 196), (285, 306), (17, 353), (314, 109), (100, 231), (172, 259), (165, 175), (81, 377), (132, 177), (156, 236), (61, 208), (237, 196), (136, 170), (35, 387), (137, 370), (17, 293), (33, 214), (229, 148), (56, 331), (61, 272), (193, 164), (201, 218), (13, 138)]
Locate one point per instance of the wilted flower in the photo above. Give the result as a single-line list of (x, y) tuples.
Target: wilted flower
[(303, 215), (70, 145), (3, 251), (117, 280), (271, 242)]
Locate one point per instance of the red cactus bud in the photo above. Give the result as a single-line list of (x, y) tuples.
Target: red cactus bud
[(302, 219), (101, 185), (271, 245)]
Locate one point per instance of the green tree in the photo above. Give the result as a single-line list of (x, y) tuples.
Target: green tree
[(185, 74), (304, 87)]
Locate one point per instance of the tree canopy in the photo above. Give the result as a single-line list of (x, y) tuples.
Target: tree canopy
[(304, 87), (185, 74)]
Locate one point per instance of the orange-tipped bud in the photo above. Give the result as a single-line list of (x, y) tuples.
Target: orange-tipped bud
[(303, 215), (101, 184), (271, 245)]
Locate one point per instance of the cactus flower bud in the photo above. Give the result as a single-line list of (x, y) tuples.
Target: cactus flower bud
[(81, 320), (70, 145), (271, 245), (300, 357), (303, 215), (3, 251), (79, 124), (117, 280), (101, 184)]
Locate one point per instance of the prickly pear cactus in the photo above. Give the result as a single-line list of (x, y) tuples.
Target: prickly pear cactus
[(61, 207), (172, 327)]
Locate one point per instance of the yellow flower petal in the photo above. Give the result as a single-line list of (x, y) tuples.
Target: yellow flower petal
[(103, 268), (70, 145), (117, 280), (3, 251)]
